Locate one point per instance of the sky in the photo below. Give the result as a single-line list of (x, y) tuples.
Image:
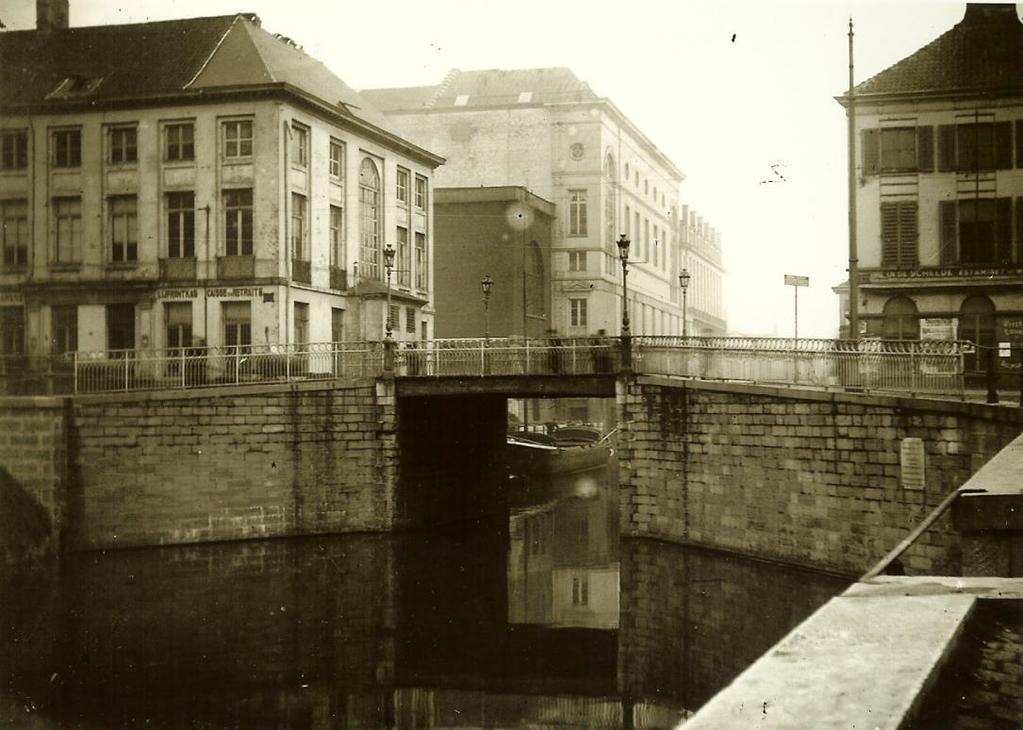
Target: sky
[(739, 95)]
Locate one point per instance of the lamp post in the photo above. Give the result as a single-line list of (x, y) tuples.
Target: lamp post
[(486, 284), (683, 284), (623, 253), (388, 339)]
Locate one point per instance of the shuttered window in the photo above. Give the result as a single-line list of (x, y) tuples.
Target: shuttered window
[(899, 234), (975, 147), (949, 227), (871, 156), (925, 149), (978, 231), (898, 149), (946, 148)]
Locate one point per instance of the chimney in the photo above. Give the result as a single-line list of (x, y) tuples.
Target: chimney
[(51, 14)]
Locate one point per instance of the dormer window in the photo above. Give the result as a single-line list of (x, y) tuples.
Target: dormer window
[(73, 86)]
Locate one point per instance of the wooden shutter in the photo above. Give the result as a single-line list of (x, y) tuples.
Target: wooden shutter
[(925, 149), (907, 256), (1003, 229), (1019, 147), (949, 228), (871, 158), (889, 235), (1003, 145), (946, 147)]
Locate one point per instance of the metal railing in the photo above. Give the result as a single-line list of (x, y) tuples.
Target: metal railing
[(924, 367), (912, 366)]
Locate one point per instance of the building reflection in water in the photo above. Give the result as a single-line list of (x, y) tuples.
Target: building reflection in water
[(544, 619)]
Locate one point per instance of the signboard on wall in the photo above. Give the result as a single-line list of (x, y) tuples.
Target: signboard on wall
[(1011, 330), (938, 328)]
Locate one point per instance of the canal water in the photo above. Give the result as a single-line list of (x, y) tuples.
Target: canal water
[(537, 616)]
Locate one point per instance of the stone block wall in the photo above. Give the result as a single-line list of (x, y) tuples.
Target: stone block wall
[(33, 474), (166, 468), (803, 476)]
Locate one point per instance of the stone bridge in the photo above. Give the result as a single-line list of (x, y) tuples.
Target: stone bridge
[(808, 476)]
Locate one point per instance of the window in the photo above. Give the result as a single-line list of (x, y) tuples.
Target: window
[(977, 324), (124, 229), (410, 320), (67, 219), (178, 319), (337, 324), (238, 222), (12, 330), (15, 233), (238, 138), (404, 259), (337, 160), (898, 148), (337, 237), (299, 227), (974, 147), (610, 203), (420, 192), (646, 240), (899, 235), (299, 145), (900, 320), (392, 317), (628, 223), (123, 145), (301, 323), (577, 261), (13, 149), (402, 185), (977, 231), (67, 148), (577, 212), (577, 312), (64, 328), (422, 274), (369, 220), (180, 142), (181, 225), (237, 326)]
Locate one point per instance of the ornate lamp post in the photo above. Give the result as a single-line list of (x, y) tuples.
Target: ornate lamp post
[(623, 244), (486, 284), (388, 339), (683, 283)]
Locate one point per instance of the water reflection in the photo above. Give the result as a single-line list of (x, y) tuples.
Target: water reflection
[(544, 618)]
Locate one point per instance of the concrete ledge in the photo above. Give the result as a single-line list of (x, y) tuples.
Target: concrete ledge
[(982, 587), (992, 499), (514, 386), (919, 403), (221, 391), (858, 662)]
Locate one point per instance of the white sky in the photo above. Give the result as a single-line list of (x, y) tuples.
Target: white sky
[(725, 110)]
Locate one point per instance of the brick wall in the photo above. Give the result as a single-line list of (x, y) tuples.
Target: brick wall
[(33, 473), (164, 468), (802, 476)]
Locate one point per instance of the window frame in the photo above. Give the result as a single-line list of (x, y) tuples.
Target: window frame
[(66, 154), (371, 221), (185, 224), (336, 214), (421, 193), (578, 214), (239, 141), (336, 164), (179, 144), (128, 220), (14, 250), (577, 260), (243, 212), (74, 219), (299, 229), (577, 311), (122, 142), (13, 149), (401, 191), (419, 248), (300, 135)]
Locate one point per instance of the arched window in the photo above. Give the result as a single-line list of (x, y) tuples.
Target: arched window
[(900, 320), (977, 324), (369, 219), (610, 202)]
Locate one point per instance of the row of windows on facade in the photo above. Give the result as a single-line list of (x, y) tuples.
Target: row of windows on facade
[(179, 146), (647, 319), (972, 231), (646, 186), (578, 225), (967, 147), (900, 320)]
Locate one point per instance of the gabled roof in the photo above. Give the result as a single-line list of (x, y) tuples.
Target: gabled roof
[(983, 53), (135, 63), (488, 87)]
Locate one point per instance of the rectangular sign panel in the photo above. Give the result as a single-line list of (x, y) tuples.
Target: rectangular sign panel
[(791, 280), (938, 328)]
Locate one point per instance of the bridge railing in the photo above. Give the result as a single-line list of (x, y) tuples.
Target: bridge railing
[(508, 356), (914, 366)]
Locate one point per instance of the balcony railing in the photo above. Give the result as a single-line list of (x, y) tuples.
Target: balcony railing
[(178, 269), (236, 267), (338, 279), (915, 367), (301, 271)]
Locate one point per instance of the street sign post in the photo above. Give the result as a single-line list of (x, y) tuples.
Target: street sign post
[(795, 282)]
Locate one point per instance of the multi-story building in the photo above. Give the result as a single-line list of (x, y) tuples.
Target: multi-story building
[(500, 232), (939, 185), (701, 257), (198, 181), (547, 131)]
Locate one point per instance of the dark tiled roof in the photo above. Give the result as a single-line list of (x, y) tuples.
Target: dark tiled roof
[(126, 62), (489, 87), (983, 52)]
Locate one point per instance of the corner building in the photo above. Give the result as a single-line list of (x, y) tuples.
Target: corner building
[(194, 182), (939, 180), (546, 130)]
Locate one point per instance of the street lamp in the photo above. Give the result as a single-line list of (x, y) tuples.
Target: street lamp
[(388, 268), (486, 284), (683, 283), (623, 253)]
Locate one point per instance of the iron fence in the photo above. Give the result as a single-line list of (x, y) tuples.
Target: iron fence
[(925, 367), (913, 366)]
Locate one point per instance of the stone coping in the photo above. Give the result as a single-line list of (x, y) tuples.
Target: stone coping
[(992, 499), (991, 412), (865, 659)]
